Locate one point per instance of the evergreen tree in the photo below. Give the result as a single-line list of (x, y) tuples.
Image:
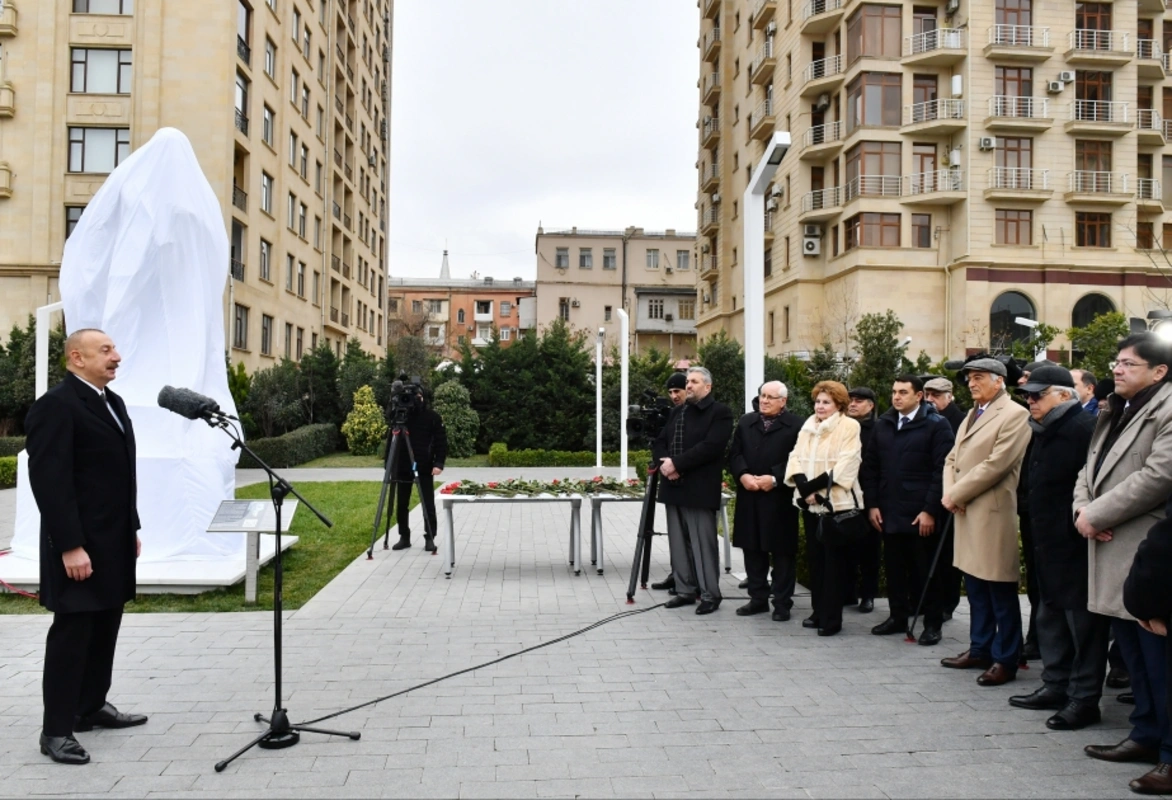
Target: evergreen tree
[(453, 404), (358, 369), (18, 371), (795, 374), (725, 359), (319, 383), (365, 428), (1094, 345), (274, 400), (880, 358), (412, 357), (824, 364)]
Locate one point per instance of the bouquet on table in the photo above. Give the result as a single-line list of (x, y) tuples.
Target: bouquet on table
[(516, 487)]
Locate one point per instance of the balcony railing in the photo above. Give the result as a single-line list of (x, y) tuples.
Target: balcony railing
[(337, 211), (341, 53), (822, 198), (1148, 49), (708, 265), (1098, 111), (244, 51), (942, 108), (1003, 105), (350, 123), (1019, 178), (349, 222), (711, 126), (710, 38), (873, 186), (334, 314), (822, 68), (341, 106), (1088, 39), (1148, 119), (823, 134), (1019, 36), (345, 319), (769, 221), (349, 172), (710, 172), (1097, 182), (345, 270), (1148, 189), (938, 180), (239, 198), (338, 157), (241, 122), (764, 109), (336, 263), (938, 39), (711, 83), (764, 52), (815, 7), (711, 216), (237, 267)]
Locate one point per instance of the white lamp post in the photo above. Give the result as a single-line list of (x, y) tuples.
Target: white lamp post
[(1032, 324), (624, 387), (598, 401), (754, 252)]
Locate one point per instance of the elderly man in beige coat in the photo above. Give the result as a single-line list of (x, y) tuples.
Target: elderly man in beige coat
[(980, 489), (1119, 495)]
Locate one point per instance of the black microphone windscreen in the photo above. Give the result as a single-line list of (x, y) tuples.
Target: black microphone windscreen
[(954, 364), (187, 403)]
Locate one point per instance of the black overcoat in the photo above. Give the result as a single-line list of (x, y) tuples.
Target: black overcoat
[(1049, 471), (903, 470), (429, 443), (765, 520), (707, 429), (1147, 592), (955, 416), (82, 474)]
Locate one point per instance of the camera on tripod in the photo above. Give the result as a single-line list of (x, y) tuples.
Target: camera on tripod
[(647, 418), (405, 398)]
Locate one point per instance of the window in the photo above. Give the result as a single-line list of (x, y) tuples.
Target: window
[(655, 309), (296, 25), (72, 217), (484, 332), (307, 43), (103, 7), (291, 222), (460, 316), (873, 168), (268, 124), (652, 259), (305, 102), (240, 328), (506, 334), (320, 126), (608, 258), (294, 87), (1014, 13), (100, 71), (1014, 226), (874, 31), (506, 308), (301, 279), (785, 323), (564, 308), (1088, 307), (293, 149), (1167, 234), (266, 193), (290, 268), (435, 306), (317, 232), (270, 58), (687, 309), (562, 258), (606, 312), (316, 287), (300, 342), (484, 307), (768, 262), (266, 260), (416, 307), (321, 67), (772, 327), (1092, 229), (870, 229), (317, 177), (1016, 86), (1145, 236), (1092, 92), (303, 162), (873, 99), (1089, 20), (97, 150), (266, 335), (921, 230), (585, 258), (288, 339), (683, 260), (1003, 331)]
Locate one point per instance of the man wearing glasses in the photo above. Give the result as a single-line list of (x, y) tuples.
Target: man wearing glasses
[(1119, 496)]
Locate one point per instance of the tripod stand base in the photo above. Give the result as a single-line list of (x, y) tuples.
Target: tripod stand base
[(279, 741)]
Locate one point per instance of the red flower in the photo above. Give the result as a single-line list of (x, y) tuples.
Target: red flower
[(598, 479), (493, 484), (555, 481)]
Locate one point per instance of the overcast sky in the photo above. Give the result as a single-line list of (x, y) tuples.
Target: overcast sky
[(509, 113)]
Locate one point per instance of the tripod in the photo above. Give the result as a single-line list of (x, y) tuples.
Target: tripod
[(399, 437), (280, 733), (641, 565)]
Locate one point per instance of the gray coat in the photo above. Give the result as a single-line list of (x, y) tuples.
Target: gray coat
[(1126, 496)]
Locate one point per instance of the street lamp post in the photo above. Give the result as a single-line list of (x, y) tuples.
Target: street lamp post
[(1032, 324), (754, 253)]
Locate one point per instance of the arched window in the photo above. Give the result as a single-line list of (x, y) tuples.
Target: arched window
[(1003, 331), (460, 316), (1088, 307)]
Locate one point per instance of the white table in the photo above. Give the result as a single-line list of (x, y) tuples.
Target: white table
[(596, 537), (450, 502)]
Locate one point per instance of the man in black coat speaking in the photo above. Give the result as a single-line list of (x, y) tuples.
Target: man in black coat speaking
[(690, 452), (766, 521), (82, 473)]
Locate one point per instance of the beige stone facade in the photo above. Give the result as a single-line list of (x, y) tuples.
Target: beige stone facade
[(961, 163), (286, 103), (585, 277)]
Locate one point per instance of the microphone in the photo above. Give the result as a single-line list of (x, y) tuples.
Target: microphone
[(189, 404)]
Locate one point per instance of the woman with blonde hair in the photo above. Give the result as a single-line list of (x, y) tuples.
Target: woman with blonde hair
[(823, 468)]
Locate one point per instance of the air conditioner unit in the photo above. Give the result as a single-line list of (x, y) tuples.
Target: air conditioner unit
[(771, 29), (1066, 76), (771, 205), (704, 248), (1055, 87), (668, 317), (823, 102), (715, 198), (373, 160), (574, 303), (668, 270), (952, 7), (777, 190), (811, 246), (812, 231), (707, 297), (987, 143)]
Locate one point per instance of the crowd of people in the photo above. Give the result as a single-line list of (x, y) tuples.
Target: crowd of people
[(1072, 477)]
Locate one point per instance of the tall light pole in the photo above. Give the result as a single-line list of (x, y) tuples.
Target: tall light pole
[(598, 401), (1032, 324), (754, 251)]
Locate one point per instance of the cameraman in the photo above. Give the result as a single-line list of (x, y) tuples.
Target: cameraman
[(424, 429)]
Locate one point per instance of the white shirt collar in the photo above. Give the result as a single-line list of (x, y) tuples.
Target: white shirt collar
[(912, 414), (87, 383)]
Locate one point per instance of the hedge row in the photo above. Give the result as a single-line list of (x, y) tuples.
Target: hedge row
[(11, 445), (499, 455), (295, 447), (7, 472)]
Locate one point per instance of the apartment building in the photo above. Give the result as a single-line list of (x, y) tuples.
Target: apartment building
[(585, 276), (286, 104), (962, 163)]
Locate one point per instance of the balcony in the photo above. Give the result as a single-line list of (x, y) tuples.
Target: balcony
[(823, 75), (350, 123), (821, 141), (1017, 43), (764, 11), (710, 132), (873, 186), (711, 9), (243, 51), (1098, 188), (821, 204), (338, 158), (710, 49), (239, 198), (482, 317), (345, 319), (938, 48), (1101, 117), (349, 222), (8, 20), (7, 99), (821, 16), (1012, 114), (762, 121), (710, 219), (337, 211), (709, 268), (237, 268), (761, 70), (769, 218), (941, 187), (936, 117), (336, 263), (1094, 48), (340, 105), (241, 122), (349, 172), (1148, 195), (1019, 184), (1149, 59), (345, 270), (1151, 128), (710, 177), (710, 91)]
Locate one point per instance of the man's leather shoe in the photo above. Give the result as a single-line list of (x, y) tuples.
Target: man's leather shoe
[(781, 615), (966, 661), (810, 622), (667, 583), (403, 543), (889, 626), (1074, 716), (997, 675), (866, 605), (108, 717), (930, 636), (429, 544), (1043, 699), (833, 629), (1030, 651), (64, 749), (753, 607), (707, 607), (679, 602), (1117, 678), (743, 584), (1127, 698), (1158, 781), (947, 616), (1127, 750)]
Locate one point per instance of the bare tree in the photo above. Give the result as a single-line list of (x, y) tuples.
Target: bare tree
[(841, 314)]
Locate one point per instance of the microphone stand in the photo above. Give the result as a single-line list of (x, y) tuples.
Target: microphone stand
[(280, 733)]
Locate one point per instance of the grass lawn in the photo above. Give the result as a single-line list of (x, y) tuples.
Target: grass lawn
[(319, 555), (347, 460)]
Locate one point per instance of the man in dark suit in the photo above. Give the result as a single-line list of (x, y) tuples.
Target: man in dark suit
[(1084, 387), (766, 523), (80, 445), (690, 452)]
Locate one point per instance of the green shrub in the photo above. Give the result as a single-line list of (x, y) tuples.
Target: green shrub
[(7, 472), (295, 447), (454, 405), (11, 445), (364, 428), (500, 456)]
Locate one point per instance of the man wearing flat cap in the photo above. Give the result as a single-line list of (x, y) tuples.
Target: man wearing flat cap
[(677, 390), (1072, 640), (863, 566), (938, 392), (980, 489)]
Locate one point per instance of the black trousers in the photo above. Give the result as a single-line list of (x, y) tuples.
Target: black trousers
[(79, 664), (426, 499), (863, 568), (828, 574), (784, 577), (908, 558)]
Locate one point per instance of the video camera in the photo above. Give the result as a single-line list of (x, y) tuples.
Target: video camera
[(1013, 366), (648, 417), (405, 398)]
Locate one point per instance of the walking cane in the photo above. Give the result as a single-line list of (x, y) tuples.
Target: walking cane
[(911, 638)]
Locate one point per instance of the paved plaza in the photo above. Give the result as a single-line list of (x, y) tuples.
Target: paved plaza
[(661, 704)]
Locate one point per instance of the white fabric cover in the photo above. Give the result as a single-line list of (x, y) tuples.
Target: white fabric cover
[(147, 263)]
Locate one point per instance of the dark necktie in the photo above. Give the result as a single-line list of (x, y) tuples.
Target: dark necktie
[(110, 408), (903, 421)]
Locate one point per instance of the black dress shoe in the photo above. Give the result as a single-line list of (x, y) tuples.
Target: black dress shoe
[(866, 605), (679, 602), (429, 544), (1042, 699), (743, 584), (890, 626), (753, 607), (947, 616), (1157, 781), (930, 636), (781, 615), (707, 606), (1117, 678), (810, 622), (1126, 751), (667, 583), (64, 749), (1030, 651), (1127, 698), (108, 717), (1074, 716), (830, 631), (403, 543)]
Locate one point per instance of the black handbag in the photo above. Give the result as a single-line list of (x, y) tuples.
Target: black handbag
[(842, 528)]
